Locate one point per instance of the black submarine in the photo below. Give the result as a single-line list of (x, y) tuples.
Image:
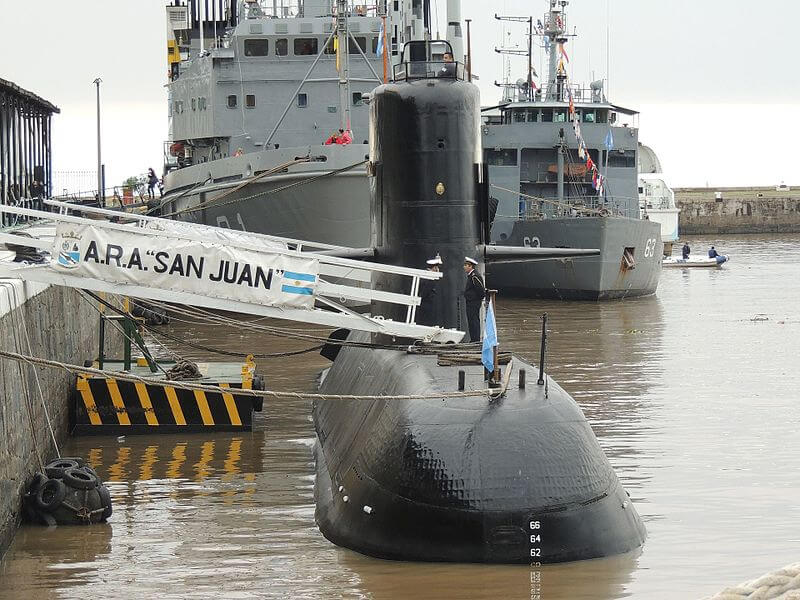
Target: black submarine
[(519, 478)]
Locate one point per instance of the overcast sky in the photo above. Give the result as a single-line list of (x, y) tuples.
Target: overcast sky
[(716, 81)]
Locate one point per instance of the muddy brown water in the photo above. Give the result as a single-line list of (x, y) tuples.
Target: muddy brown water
[(693, 394)]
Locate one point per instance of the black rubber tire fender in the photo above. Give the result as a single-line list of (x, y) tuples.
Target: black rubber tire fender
[(50, 496), (55, 469), (29, 507), (89, 469), (78, 459), (80, 479), (38, 481), (105, 499)]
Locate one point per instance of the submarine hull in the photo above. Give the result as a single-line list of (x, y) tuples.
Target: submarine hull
[(516, 480)]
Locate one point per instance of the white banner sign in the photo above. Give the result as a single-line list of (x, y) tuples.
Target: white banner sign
[(204, 268)]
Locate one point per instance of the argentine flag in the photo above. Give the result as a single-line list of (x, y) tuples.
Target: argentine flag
[(298, 283), (489, 339), (379, 49)]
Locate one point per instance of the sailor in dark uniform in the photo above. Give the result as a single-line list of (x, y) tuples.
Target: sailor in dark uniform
[(428, 313), (448, 67), (474, 293)]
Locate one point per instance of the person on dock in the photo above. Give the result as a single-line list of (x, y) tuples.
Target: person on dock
[(474, 293), (427, 313), (152, 182), (712, 253), (685, 251)]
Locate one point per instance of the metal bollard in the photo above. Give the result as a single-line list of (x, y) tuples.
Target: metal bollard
[(462, 376), (522, 379)]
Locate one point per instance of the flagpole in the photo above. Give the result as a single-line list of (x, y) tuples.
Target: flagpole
[(496, 372), (384, 49)]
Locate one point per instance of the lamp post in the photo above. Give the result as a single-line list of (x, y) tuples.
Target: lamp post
[(100, 190)]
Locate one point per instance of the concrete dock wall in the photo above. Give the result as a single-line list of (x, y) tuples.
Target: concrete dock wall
[(738, 210), (60, 326)]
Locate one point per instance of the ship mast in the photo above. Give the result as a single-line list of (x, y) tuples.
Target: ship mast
[(343, 62), (528, 52), (555, 27)]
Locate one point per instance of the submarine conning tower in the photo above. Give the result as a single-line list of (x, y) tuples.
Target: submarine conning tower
[(425, 152)]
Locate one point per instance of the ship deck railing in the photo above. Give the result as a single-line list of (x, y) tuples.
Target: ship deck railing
[(434, 69)]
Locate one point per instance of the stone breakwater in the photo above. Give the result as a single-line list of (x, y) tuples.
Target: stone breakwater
[(738, 210), (62, 326)]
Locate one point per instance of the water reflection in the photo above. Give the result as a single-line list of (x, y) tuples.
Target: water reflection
[(591, 579)]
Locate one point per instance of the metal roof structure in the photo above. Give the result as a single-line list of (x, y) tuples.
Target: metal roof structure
[(12, 87)]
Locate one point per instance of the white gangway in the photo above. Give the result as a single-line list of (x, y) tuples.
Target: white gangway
[(223, 269)]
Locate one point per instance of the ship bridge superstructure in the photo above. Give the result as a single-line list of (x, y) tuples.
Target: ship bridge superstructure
[(558, 149), (246, 76)]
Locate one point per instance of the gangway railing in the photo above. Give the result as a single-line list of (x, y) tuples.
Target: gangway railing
[(198, 265)]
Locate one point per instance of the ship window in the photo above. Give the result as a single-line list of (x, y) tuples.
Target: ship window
[(519, 116), (504, 157), (375, 45), (533, 116), (232, 99), (302, 100), (353, 49), (588, 116), (602, 116), (627, 160), (547, 115), (305, 46), (194, 104), (560, 116), (250, 100), (329, 49), (256, 47), (357, 101), (281, 47)]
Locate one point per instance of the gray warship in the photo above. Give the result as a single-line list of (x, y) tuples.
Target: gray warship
[(255, 90), (250, 113), (553, 190)]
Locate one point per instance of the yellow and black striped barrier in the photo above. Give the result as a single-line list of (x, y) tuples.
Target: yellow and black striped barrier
[(107, 405)]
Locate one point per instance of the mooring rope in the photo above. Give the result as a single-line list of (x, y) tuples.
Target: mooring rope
[(783, 584), (126, 376)]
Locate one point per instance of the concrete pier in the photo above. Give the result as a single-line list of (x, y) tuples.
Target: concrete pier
[(738, 210), (62, 326)]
